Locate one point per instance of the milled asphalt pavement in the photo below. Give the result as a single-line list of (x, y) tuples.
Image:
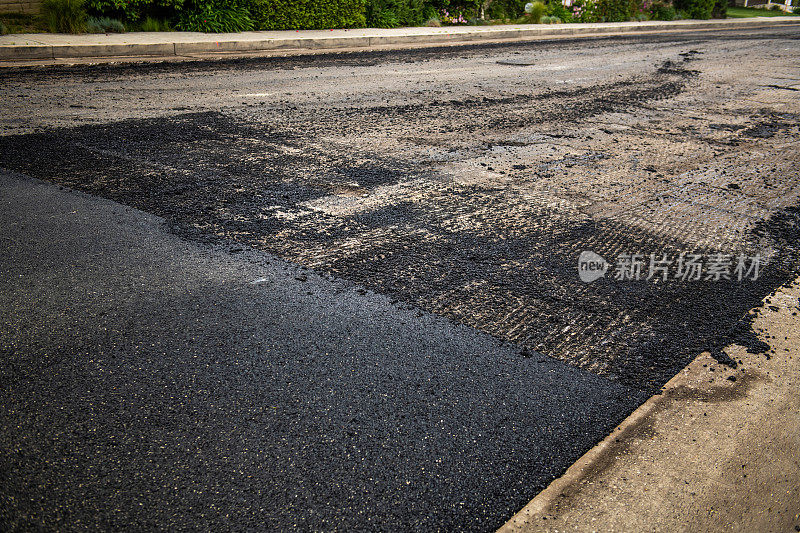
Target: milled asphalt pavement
[(339, 291), (154, 383)]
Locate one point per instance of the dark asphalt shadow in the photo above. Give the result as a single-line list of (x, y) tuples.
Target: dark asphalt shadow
[(149, 382)]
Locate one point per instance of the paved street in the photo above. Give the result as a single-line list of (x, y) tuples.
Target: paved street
[(341, 291)]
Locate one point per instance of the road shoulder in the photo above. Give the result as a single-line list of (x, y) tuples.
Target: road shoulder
[(719, 449)]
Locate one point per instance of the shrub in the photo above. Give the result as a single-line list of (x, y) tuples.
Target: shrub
[(557, 10), (457, 11), (383, 19), (3, 29), (585, 11), (695, 9), (104, 25), (210, 17), (154, 24), (720, 10), (135, 10), (65, 16), (662, 11), (617, 10), (535, 11), (393, 13), (456, 16), (505, 9), (307, 14)]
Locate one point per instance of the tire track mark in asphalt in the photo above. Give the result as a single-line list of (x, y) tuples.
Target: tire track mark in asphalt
[(493, 248)]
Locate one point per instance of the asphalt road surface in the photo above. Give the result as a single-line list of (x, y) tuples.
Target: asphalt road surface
[(348, 294)]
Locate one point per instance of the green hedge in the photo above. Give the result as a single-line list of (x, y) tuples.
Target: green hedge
[(265, 14), (394, 13), (307, 14), (720, 10), (695, 9), (617, 10), (238, 15), (216, 17), (135, 10), (506, 9)]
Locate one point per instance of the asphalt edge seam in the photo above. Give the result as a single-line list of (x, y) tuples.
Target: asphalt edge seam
[(599, 454)]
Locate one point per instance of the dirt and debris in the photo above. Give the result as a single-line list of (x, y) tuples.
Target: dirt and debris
[(474, 202)]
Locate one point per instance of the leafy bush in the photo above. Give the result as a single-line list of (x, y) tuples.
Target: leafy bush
[(135, 10), (154, 24), (662, 11), (104, 25), (3, 29), (617, 10), (505, 9), (585, 11), (720, 10), (557, 10), (695, 9), (238, 15), (456, 16), (535, 11), (215, 18), (381, 18), (65, 16), (307, 14), (393, 13)]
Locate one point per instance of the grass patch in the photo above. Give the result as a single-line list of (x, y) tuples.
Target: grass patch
[(23, 23), (745, 12)]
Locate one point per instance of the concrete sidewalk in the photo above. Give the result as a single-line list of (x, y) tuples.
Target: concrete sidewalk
[(47, 46)]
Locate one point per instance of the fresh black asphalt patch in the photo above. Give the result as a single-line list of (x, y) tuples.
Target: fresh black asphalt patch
[(148, 383)]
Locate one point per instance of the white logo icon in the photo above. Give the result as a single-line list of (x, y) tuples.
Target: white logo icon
[(591, 266)]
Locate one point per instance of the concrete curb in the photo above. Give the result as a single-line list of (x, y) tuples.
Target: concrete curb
[(607, 488), (597, 455), (57, 46)]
